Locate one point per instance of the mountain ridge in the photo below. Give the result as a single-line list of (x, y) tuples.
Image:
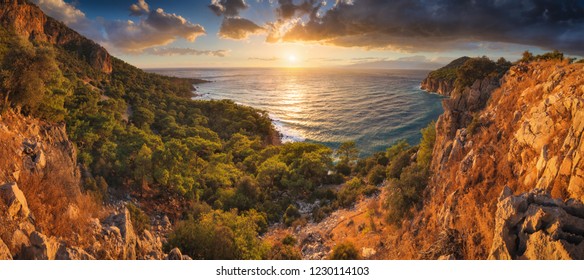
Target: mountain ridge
[(29, 21)]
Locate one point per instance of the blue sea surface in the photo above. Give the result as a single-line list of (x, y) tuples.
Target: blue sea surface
[(374, 108)]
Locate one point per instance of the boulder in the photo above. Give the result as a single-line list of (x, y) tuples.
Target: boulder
[(123, 222), (175, 255), (15, 201), (4, 251), (72, 253), (535, 226), (41, 247), (148, 247)]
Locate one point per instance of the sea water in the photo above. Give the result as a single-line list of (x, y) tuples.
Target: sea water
[(374, 108)]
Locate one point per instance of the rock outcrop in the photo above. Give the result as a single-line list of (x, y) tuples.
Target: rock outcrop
[(17, 207), (442, 81), (29, 21), (4, 252), (523, 131), (535, 226), (440, 86)]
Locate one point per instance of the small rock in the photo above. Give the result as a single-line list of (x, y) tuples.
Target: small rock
[(73, 253), (41, 247), (14, 200), (175, 255)]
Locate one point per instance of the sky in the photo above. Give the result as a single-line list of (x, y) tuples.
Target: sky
[(317, 33)]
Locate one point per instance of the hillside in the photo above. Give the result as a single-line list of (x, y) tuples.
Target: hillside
[(101, 160), (507, 175)]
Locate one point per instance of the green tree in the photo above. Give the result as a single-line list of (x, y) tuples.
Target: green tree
[(427, 145)]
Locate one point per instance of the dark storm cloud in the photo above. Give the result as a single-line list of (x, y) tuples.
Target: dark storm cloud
[(413, 25), (238, 28), (287, 9), (229, 8), (233, 26)]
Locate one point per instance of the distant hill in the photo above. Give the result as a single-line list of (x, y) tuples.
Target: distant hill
[(396, 64)]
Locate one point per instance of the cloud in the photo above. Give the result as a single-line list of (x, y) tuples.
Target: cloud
[(421, 25), (185, 51), (158, 28), (140, 8), (263, 58), (233, 26), (287, 9), (62, 11), (229, 8), (238, 28), (153, 28)]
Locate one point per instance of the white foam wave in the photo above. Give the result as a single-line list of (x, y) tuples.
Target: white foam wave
[(288, 135)]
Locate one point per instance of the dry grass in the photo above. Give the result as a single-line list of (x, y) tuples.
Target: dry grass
[(59, 207)]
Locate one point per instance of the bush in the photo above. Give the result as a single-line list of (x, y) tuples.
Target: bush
[(398, 163), (140, 221), (406, 193), (282, 251), (345, 251), (427, 145), (291, 215), (474, 69), (377, 175), (220, 235)]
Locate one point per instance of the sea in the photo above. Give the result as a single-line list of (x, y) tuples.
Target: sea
[(374, 108)]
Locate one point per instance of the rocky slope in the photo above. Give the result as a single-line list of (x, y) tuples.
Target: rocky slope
[(29, 21), (44, 215), (524, 133)]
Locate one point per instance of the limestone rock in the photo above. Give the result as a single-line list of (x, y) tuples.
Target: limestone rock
[(123, 223), (73, 253), (4, 251), (148, 247), (535, 226), (314, 247), (41, 247), (175, 255), (15, 201)]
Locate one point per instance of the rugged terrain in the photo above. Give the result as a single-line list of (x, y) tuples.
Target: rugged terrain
[(30, 22), (43, 213), (522, 134)]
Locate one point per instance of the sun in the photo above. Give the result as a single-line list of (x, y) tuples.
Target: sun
[(292, 58)]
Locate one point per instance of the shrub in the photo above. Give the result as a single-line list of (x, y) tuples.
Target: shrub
[(399, 162), (474, 69), (220, 235), (406, 193), (289, 240), (291, 215), (377, 175), (427, 145), (345, 251), (139, 219), (282, 251)]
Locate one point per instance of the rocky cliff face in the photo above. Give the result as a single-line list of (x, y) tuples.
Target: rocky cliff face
[(439, 86), (29, 21), (441, 81), (43, 213), (524, 132)]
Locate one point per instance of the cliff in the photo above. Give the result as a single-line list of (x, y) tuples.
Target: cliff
[(523, 133), (441, 81), (44, 215), (27, 20)]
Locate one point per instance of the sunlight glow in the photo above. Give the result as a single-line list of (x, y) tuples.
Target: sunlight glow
[(292, 58)]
